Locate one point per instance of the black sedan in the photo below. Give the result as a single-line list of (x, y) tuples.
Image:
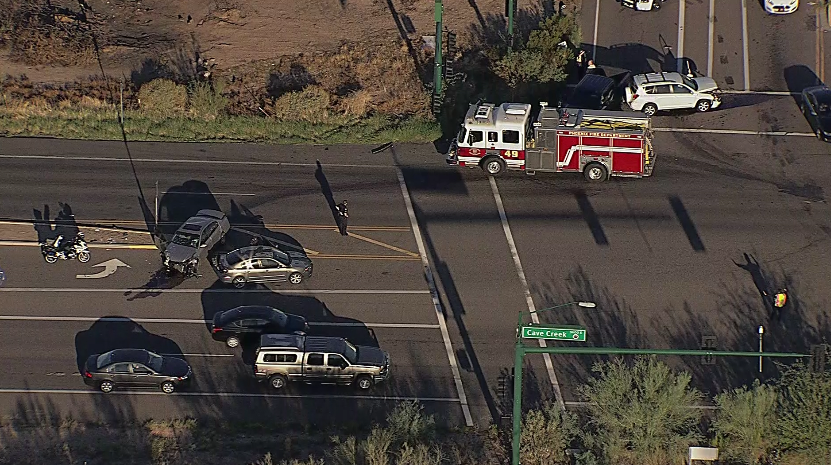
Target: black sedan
[(250, 321), (816, 106), (135, 368)]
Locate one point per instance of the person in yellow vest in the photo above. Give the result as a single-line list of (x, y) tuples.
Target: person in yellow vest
[(780, 299)]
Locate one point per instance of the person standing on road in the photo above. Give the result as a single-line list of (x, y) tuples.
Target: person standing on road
[(343, 217), (581, 64), (780, 299)]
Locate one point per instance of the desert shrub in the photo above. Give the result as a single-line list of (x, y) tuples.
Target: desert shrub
[(408, 424), (745, 424), (163, 97), (358, 103), (310, 104), (546, 435), (376, 448), (205, 100)]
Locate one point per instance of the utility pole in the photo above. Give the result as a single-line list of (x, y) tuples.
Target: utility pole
[(511, 7), (438, 63), (121, 102)]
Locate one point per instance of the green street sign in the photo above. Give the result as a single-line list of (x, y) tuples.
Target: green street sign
[(554, 333)]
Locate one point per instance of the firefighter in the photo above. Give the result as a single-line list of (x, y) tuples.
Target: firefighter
[(343, 217), (581, 64), (780, 299)]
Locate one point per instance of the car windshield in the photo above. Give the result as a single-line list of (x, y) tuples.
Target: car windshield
[(234, 258), (188, 240), (462, 135), (689, 82), (824, 103), (103, 360), (155, 362), (351, 353)]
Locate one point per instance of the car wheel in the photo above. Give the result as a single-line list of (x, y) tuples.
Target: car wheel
[(703, 106), (83, 257), (277, 381), (232, 342), (649, 109), (363, 382), (238, 282), (819, 135), (50, 257), (494, 166), (595, 172), (168, 387), (295, 278), (106, 386)]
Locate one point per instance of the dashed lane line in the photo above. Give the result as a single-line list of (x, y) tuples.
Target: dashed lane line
[(711, 22), (745, 47), (529, 301), (225, 394), (434, 293), (91, 245), (736, 132), (217, 291), (202, 321)]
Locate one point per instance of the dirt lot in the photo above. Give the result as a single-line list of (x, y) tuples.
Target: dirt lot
[(234, 32)]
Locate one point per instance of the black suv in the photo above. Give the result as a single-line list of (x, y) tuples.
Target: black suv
[(250, 321), (137, 368), (594, 92)]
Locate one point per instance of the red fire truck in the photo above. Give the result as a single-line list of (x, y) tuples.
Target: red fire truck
[(597, 143)]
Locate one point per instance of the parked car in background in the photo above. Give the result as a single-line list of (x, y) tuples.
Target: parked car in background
[(655, 92), (199, 233), (250, 321), (262, 264), (781, 7), (816, 106), (135, 368)]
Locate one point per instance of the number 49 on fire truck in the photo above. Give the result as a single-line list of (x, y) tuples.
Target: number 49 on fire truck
[(597, 143)]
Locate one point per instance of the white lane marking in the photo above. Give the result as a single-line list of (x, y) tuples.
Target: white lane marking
[(198, 355), (216, 291), (734, 132), (596, 21), (224, 394), (745, 47), (175, 160), (711, 23), (202, 322), (434, 293), (679, 58), (110, 267), (529, 301), (784, 93)]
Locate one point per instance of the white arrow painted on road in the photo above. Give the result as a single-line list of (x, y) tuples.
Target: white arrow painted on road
[(110, 266)]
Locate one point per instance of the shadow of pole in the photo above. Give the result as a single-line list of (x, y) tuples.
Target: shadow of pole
[(326, 189), (402, 32)]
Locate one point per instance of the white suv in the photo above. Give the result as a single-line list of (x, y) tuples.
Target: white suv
[(671, 91)]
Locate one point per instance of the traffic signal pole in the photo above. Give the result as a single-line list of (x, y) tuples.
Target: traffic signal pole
[(520, 350)]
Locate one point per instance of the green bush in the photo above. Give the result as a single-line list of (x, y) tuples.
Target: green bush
[(745, 423), (206, 100), (546, 434), (541, 59), (163, 98)]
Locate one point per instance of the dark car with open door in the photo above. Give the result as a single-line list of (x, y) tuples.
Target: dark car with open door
[(135, 368), (250, 321)]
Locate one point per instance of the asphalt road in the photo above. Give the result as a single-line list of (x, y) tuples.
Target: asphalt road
[(663, 258)]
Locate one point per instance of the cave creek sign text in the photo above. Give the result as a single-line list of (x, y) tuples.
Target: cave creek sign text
[(557, 333)]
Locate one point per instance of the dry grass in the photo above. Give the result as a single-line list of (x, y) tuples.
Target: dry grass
[(163, 98), (39, 32)]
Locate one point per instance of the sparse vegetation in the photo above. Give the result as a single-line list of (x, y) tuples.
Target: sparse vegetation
[(40, 32), (163, 98)]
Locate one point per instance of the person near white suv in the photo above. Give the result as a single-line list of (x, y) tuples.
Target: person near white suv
[(654, 92)]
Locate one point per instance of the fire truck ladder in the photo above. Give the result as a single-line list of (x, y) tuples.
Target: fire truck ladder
[(612, 125)]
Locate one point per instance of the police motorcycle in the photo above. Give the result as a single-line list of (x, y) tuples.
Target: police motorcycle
[(65, 250), (642, 5)]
